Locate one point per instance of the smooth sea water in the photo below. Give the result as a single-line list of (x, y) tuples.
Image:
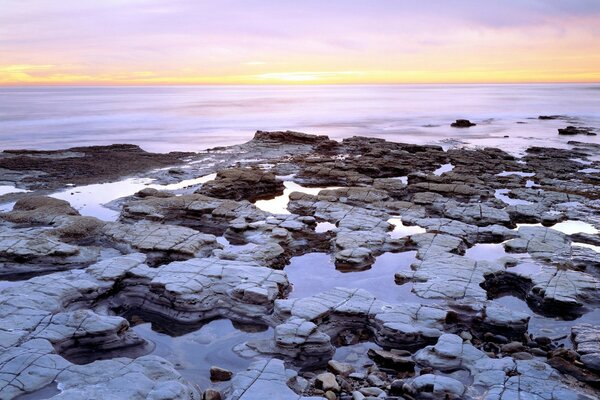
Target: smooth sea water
[(192, 118)]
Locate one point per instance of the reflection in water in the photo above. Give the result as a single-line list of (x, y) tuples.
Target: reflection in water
[(443, 169), (323, 227), (486, 251), (314, 273), (89, 199), (193, 118), (547, 326), (5, 189), (278, 205), (501, 194), (519, 173), (194, 353), (587, 245), (572, 227), (400, 230)]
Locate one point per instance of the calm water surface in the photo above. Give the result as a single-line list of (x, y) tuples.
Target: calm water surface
[(198, 117)]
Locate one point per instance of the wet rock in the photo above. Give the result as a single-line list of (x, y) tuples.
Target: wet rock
[(439, 386), (586, 339), (495, 376), (550, 117), (211, 394), (462, 123), (82, 165), (26, 252), (264, 379), (309, 324), (513, 347), (340, 368), (243, 184), (152, 192), (161, 241), (220, 374), (571, 130), (390, 360), (36, 210), (288, 137)]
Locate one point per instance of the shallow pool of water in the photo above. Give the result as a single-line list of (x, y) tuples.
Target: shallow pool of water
[(486, 252), (323, 227), (194, 353), (502, 194), (519, 173), (400, 230), (90, 199), (313, 273), (589, 170), (572, 227), (443, 169), (278, 205), (545, 326), (5, 189)]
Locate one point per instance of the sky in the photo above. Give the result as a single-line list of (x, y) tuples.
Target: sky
[(108, 42)]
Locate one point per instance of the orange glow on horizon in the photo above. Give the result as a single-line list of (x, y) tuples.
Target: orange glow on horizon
[(252, 42)]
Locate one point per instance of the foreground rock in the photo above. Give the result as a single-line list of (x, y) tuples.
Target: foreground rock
[(184, 258)]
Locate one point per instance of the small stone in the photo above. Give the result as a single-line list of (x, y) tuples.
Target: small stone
[(340, 368), (326, 381), (329, 395), (466, 335), (396, 387), (211, 394), (356, 395), (539, 352), (543, 340), (521, 355), (371, 391), (359, 376), (220, 374), (513, 347), (375, 380)]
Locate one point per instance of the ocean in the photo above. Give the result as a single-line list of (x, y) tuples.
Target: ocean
[(193, 118)]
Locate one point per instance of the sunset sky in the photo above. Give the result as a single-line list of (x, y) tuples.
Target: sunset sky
[(309, 41)]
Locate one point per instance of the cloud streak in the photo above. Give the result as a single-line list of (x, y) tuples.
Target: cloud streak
[(252, 41)]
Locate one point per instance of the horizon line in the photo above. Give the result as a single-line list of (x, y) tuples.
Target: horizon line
[(158, 84)]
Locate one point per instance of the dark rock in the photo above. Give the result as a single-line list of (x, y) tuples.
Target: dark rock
[(220, 374), (571, 130), (211, 394), (151, 192), (289, 137), (462, 123), (243, 184), (549, 117), (513, 347), (567, 367), (388, 359)]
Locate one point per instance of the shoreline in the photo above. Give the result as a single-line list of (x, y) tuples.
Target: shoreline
[(468, 228)]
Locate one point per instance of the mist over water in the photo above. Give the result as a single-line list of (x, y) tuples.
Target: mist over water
[(193, 118)]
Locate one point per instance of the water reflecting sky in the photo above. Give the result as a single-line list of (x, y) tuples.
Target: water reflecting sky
[(166, 118)]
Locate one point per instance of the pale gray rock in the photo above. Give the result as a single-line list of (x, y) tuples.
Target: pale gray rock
[(586, 339), (264, 380)]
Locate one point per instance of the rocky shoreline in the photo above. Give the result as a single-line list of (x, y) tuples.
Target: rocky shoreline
[(504, 282)]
